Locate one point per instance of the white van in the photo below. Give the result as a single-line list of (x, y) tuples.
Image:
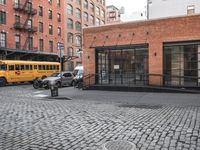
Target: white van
[(78, 72)]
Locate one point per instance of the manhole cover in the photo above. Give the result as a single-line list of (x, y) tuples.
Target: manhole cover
[(141, 106), (119, 145)]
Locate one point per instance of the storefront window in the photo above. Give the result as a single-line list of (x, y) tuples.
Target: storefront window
[(122, 66), (182, 65)]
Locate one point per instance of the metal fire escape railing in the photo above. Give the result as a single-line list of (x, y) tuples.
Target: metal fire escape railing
[(25, 8)]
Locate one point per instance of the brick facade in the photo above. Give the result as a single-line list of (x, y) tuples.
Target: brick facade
[(153, 32), (46, 6)]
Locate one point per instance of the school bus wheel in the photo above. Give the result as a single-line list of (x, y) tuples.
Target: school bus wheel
[(2, 82)]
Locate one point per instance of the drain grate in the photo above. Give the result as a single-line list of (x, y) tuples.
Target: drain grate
[(119, 145), (141, 106)]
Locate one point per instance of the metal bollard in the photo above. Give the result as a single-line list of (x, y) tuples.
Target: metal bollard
[(53, 88)]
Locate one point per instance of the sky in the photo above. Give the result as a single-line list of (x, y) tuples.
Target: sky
[(133, 8)]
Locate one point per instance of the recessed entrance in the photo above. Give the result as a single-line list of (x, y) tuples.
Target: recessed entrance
[(125, 66)]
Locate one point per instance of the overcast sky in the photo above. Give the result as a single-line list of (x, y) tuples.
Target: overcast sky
[(133, 8)]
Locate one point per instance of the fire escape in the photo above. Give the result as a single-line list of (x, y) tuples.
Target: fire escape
[(26, 9)]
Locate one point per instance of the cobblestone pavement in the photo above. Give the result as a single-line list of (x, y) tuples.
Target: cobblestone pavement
[(30, 121)]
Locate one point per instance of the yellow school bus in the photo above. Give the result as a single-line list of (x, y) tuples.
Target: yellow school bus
[(24, 71)]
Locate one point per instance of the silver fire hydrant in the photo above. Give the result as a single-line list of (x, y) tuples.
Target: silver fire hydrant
[(54, 88)]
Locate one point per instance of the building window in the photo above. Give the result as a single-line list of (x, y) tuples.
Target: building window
[(50, 29), (85, 4), (92, 7), (69, 9), (2, 39), (98, 11), (70, 24), (17, 41), (30, 43), (92, 20), (78, 13), (41, 27), (40, 11), (102, 13), (50, 1), (59, 31), (58, 3), (78, 40), (182, 64), (191, 10), (29, 23), (78, 26), (70, 38), (2, 1), (70, 51), (17, 19), (85, 15), (102, 22), (51, 46), (2, 17), (78, 2), (59, 17), (98, 22), (50, 14), (41, 44)]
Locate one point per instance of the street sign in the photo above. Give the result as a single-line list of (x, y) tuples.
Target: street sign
[(60, 46)]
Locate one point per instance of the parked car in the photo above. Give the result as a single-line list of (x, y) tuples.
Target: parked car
[(60, 78)]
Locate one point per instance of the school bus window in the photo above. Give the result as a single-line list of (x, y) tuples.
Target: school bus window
[(40, 67), (11, 67), (3, 67), (57, 67), (51, 67), (22, 67), (43, 66), (47, 67), (54, 67), (17, 67), (31, 68), (26, 67), (35, 67)]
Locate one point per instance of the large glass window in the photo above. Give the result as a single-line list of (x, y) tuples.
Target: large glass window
[(122, 66), (182, 65)]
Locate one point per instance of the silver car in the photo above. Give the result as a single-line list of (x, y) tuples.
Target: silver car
[(60, 79)]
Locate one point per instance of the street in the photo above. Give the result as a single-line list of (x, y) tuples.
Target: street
[(86, 120)]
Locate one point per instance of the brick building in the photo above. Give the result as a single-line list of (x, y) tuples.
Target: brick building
[(163, 52), (30, 30), (113, 14), (78, 14)]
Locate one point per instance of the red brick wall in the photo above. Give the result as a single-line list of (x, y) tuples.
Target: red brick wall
[(152, 32), (10, 20)]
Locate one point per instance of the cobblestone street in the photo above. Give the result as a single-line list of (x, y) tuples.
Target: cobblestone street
[(29, 120)]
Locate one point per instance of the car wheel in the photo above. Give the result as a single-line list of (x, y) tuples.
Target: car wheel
[(58, 84)]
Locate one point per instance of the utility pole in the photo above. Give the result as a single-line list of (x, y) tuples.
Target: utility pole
[(60, 47)]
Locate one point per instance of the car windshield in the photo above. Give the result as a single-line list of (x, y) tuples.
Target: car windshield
[(3, 67), (55, 75)]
